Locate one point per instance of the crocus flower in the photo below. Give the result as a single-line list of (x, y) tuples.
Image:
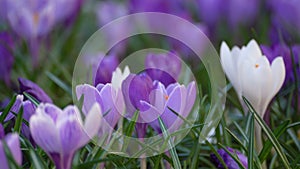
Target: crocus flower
[(108, 96), (108, 11), (30, 18), (283, 50), (66, 9), (13, 143), (251, 74), (105, 69), (152, 99), (34, 90), (285, 15), (165, 68), (253, 77), (6, 57), (229, 161), (61, 132)]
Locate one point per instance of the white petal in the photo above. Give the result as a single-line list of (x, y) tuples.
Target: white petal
[(92, 123), (278, 72), (45, 133)]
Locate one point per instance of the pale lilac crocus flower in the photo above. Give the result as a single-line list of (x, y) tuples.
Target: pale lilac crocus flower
[(6, 57), (13, 143), (60, 133), (152, 99)]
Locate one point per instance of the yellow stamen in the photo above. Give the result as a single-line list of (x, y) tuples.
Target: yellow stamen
[(35, 18), (256, 65), (166, 97)]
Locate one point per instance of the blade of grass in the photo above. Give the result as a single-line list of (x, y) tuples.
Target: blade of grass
[(251, 143), (268, 145), (7, 109), (31, 98), (18, 123), (59, 82), (176, 162), (269, 134)]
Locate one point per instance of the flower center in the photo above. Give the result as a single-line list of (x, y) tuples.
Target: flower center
[(36, 18), (166, 97), (256, 65)]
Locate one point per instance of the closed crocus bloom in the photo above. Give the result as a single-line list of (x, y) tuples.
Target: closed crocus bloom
[(105, 69), (165, 68), (251, 74), (229, 161), (34, 90), (62, 132), (6, 57), (13, 143)]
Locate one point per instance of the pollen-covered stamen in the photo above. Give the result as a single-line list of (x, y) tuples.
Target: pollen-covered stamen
[(36, 18), (166, 97), (256, 65)]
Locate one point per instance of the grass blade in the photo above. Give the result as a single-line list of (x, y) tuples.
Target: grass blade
[(7, 109), (18, 123), (269, 134), (176, 162), (251, 143)]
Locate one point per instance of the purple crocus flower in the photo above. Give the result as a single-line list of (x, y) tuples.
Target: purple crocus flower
[(211, 11), (31, 19), (286, 15), (13, 143), (152, 99), (283, 50), (105, 69), (165, 68), (34, 90), (66, 9), (62, 132), (6, 57), (229, 161), (110, 100), (175, 7)]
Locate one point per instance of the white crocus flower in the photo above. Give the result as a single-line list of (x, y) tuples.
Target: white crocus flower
[(118, 77), (253, 77), (251, 74)]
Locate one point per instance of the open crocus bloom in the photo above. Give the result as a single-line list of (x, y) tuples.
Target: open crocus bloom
[(152, 99), (13, 143), (61, 132), (251, 74)]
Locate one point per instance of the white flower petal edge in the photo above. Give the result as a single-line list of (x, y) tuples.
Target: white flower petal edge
[(118, 77)]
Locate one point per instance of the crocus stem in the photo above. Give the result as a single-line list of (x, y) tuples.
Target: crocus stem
[(143, 163), (34, 50), (259, 144)]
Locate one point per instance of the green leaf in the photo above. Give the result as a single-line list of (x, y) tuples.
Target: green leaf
[(251, 143), (269, 134), (31, 98), (36, 160), (7, 109), (18, 123), (268, 145), (59, 82), (130, 129), (176, 162)]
